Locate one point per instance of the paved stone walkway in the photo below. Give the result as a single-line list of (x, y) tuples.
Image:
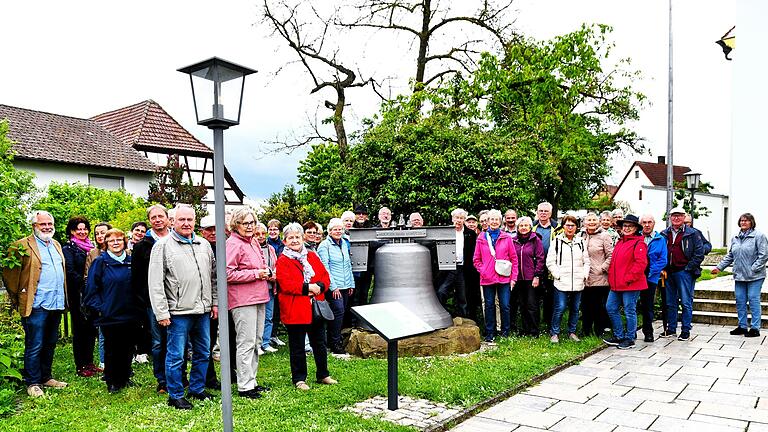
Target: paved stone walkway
[(713, 382)]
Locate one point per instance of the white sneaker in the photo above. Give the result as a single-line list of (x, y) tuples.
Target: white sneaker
[(35, 391), (261, 351), (141, 358), (275, 340), (101, 365), (269, 349)]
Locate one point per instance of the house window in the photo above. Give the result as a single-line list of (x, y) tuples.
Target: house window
[(106, 182), (637, 174), (640, 195)]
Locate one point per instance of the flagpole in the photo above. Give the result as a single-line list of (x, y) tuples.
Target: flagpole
[(670, 162)]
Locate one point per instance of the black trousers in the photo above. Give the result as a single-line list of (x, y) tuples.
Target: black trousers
[(296, 334), (474, 303), (84, 335), (547, 293), (528, 298), (647, 298), (514, 306), (594, 316), (452, 285), (119, 342)]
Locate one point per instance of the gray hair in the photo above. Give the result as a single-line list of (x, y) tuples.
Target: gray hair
[(239, 215), (261, 226), (348, 215), (335, 222), (544, 205), (36, 214), (591, 214), (605, 213), (494, 213), (482, 212), (459, 212), (647, 216), (617, 212), (156, 207), (525, 219), (293, 227)]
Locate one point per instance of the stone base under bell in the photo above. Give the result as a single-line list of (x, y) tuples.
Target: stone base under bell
[(461, 338)]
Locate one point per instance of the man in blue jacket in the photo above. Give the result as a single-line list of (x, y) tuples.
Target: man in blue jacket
[(685, 252), (657, 260)]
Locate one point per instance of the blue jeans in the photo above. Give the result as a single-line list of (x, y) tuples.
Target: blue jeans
[(184, 328), (339, 307), (159, 334), (748, 292), (268, 313), (41, 331), (489, 293), (679, 287), (628, 299), (571, 299)]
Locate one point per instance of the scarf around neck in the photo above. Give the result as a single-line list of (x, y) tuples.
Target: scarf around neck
[(119, 258), (85, 245), (301, 256)]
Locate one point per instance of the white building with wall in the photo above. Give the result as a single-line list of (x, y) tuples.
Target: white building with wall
[(643, 188)]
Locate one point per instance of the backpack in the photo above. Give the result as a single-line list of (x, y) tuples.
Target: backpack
[(559, 252)]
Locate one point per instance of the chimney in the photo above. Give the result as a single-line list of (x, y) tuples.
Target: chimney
[(662, 160)]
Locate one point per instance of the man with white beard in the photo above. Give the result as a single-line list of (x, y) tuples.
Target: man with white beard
[(37, 289)]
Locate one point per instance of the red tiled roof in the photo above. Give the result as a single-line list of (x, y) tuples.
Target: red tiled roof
[(610, 189), (57, 138), (657, 173), (147, 126)]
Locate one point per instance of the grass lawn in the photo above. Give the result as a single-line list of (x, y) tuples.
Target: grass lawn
[(463, 381), (707, 274)]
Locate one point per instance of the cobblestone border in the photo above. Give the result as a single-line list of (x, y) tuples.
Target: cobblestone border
[(506, 394)]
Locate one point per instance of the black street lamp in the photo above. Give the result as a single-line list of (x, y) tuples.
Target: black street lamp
[(220, 81), (692, 180)]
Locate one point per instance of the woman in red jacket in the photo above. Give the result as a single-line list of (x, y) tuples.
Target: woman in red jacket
[(626, 276), (301, 276)]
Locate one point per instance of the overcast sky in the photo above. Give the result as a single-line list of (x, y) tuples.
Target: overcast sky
[(82, 58)]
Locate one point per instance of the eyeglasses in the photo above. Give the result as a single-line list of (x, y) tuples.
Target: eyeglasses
[(310, 232), (251, 223)]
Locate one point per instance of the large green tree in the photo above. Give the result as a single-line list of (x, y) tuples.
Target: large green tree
[(568, 107), (539, 124), (16, 194)]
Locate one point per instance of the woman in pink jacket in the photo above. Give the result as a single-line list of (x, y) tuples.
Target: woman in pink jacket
[(492, 245), (248, 294)]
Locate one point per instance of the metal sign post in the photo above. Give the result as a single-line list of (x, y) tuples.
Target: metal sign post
[(392, 321)]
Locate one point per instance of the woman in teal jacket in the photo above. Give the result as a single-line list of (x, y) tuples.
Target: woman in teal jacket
[(334, 253)]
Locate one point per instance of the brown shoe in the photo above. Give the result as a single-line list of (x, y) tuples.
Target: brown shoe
[(327, 380), (54, 383), (301, 385)]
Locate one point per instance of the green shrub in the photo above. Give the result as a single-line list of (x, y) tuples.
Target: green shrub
[(11, 357)]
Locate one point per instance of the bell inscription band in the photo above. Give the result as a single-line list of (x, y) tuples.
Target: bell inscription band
[(403, 265)]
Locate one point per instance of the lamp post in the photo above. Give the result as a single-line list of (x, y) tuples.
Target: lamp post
[(221, 81), (692, 180)]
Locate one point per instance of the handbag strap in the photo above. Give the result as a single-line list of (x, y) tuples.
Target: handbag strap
[(490, 245)]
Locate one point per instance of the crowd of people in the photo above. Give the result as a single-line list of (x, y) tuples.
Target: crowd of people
[(153, 292)]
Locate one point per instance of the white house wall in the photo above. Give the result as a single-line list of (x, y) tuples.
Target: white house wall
[(628, 192), (136, 183), (749, 151)]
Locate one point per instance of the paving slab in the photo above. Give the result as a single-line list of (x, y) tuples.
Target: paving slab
[(714, 382)]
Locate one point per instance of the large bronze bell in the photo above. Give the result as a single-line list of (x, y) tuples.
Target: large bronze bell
[(403, 273), (403, 268)]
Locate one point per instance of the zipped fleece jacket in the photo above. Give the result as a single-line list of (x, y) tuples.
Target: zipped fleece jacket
[(568, 261), (748, 254), (486, 265), (530, 257), (657, 257), (109, 292), (244, 261), (181, 277), (630, 258), (336, 260)]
